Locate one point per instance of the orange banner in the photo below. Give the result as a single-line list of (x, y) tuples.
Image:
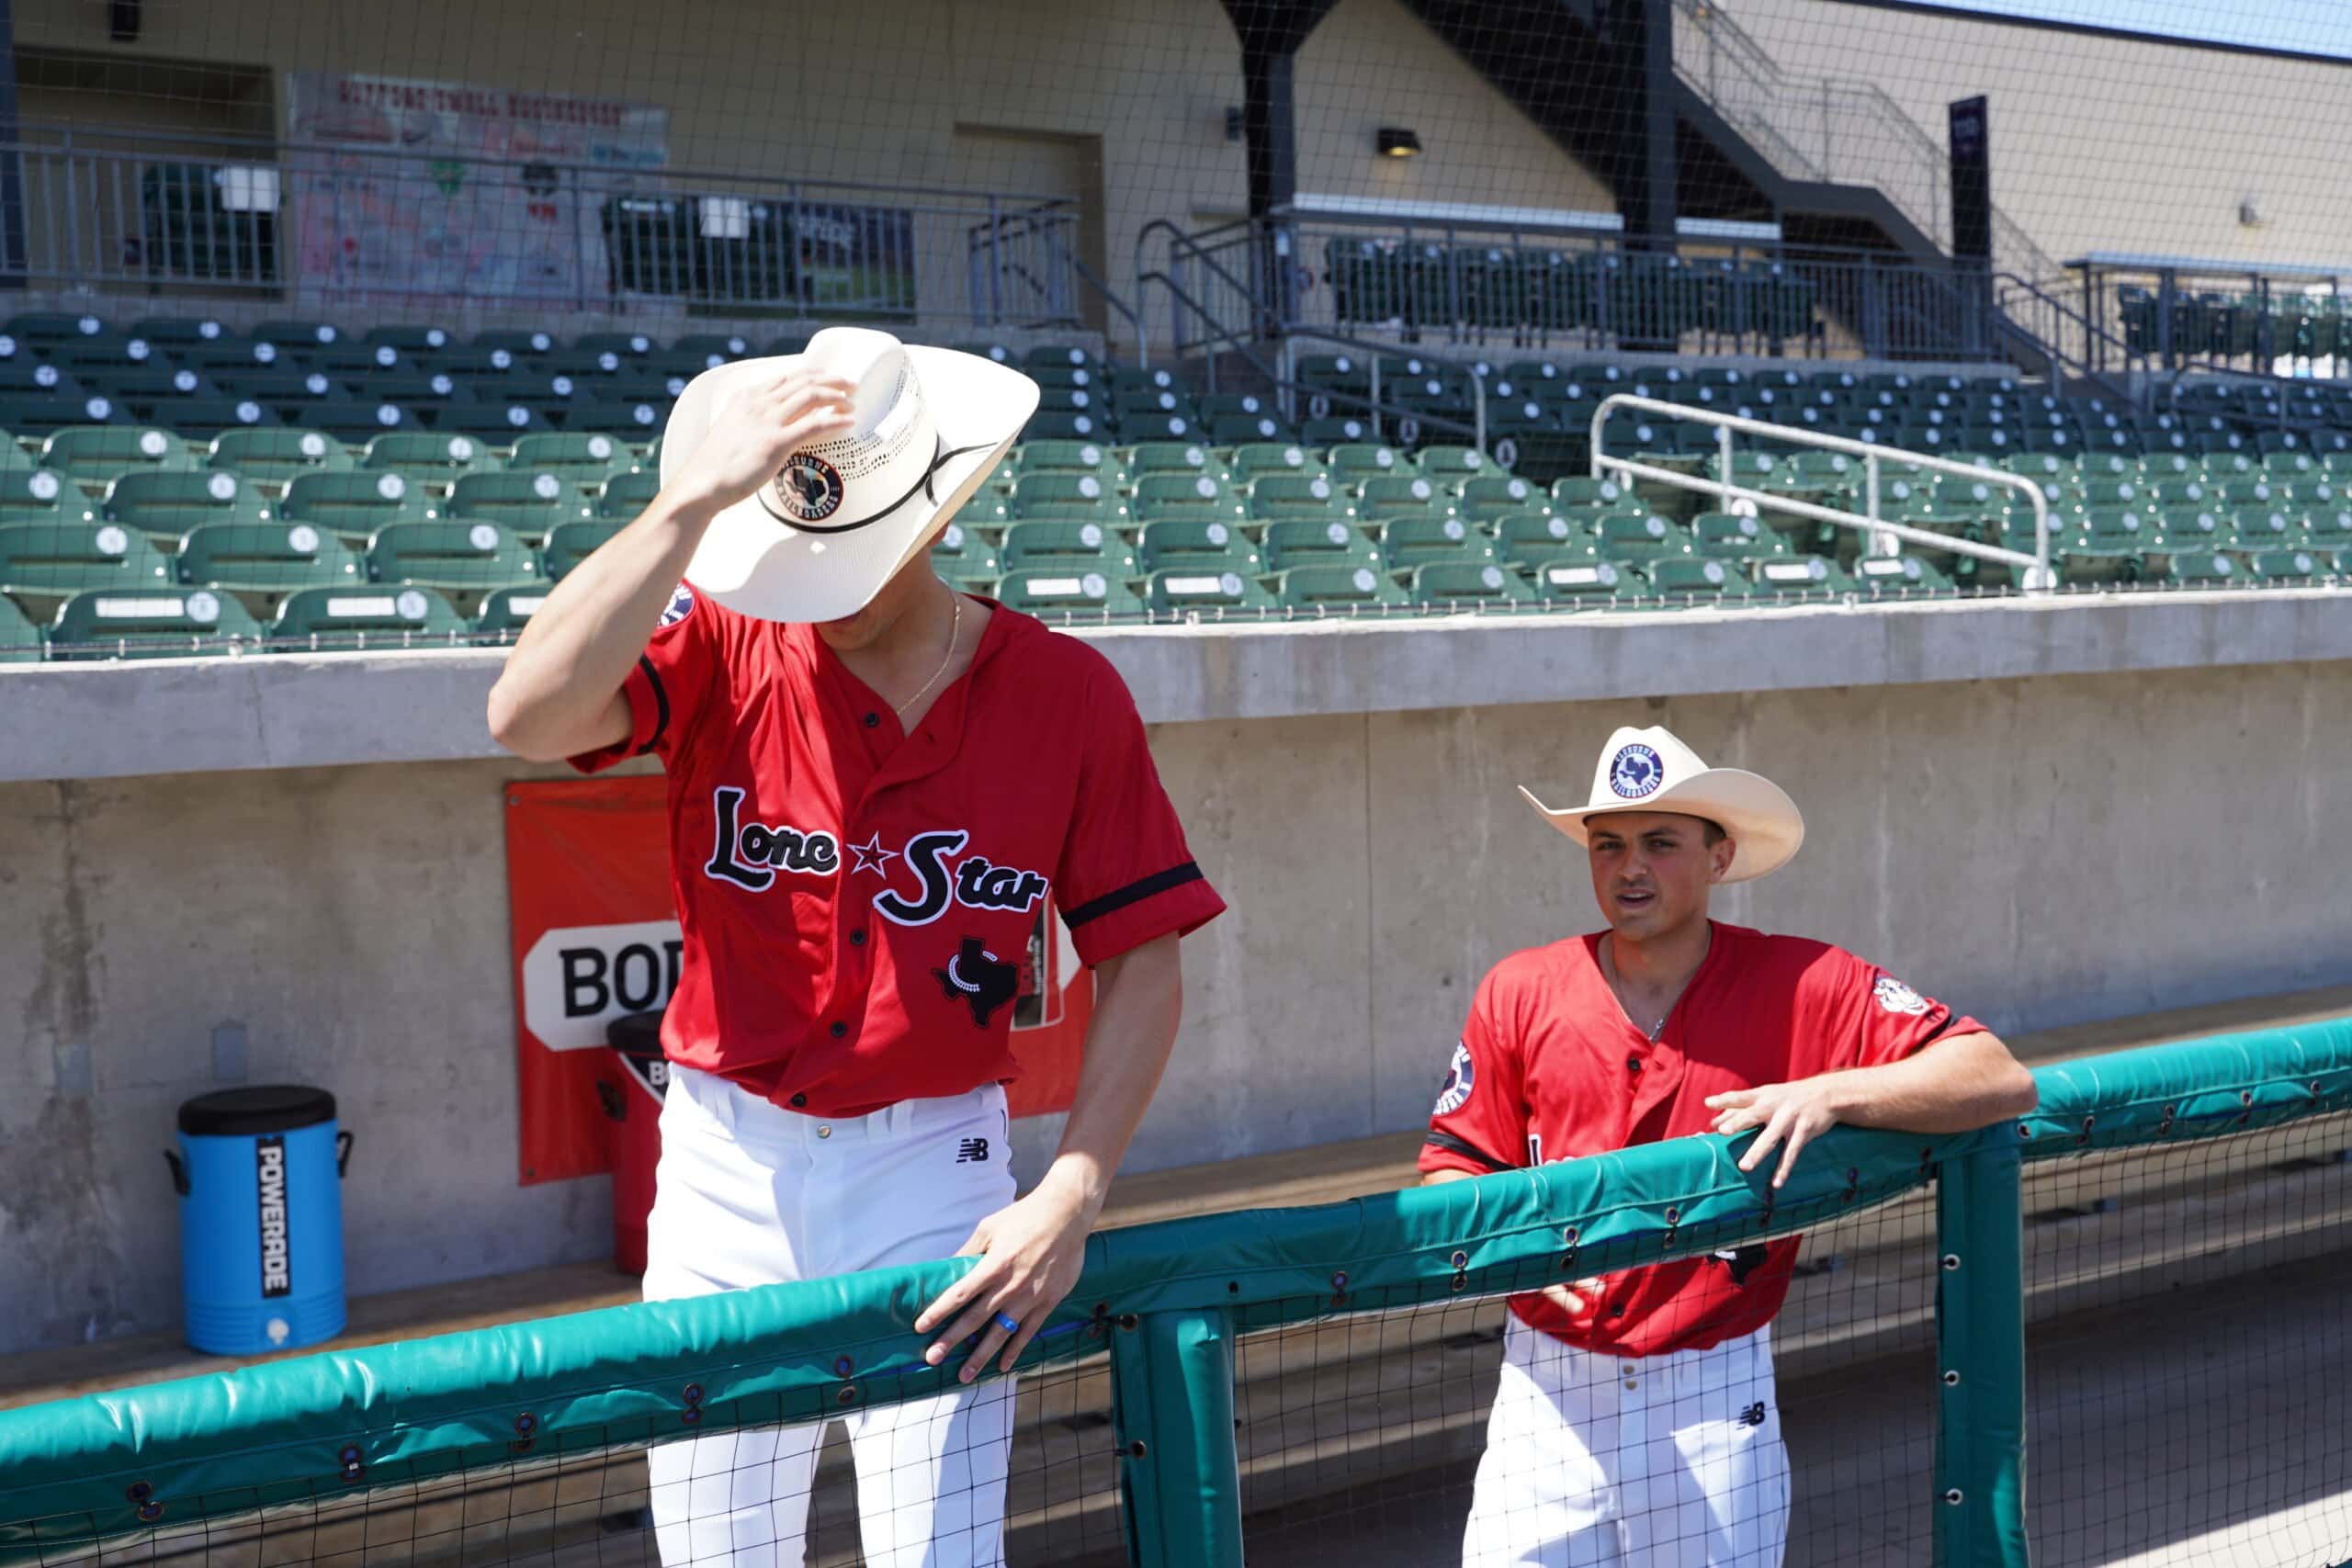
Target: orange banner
[(595, 937)]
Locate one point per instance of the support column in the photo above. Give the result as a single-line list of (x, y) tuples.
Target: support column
[(1638, 87), (1980, 1347), (1172, 1380), (12, 163)]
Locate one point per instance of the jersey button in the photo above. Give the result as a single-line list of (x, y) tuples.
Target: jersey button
[(873, 720), (838, 1030), (798, 1100), (857, 937), (1632, 1064)]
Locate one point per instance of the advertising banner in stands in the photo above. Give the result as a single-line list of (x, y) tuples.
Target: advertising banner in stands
[(401, 188), (595, 937)]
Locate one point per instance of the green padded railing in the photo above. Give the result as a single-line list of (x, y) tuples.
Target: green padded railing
[(1163, 1300)]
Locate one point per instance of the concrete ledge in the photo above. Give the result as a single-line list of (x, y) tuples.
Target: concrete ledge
[(288, 711)]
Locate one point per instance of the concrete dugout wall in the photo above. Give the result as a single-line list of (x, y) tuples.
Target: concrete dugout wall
[(2040, 849)]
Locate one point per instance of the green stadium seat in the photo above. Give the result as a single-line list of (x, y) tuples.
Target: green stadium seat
[(1403, 495), (195, 415), (1064, 547), (1356, 462), (496, 422), (1582, 492), (1267, 460), (2263, 528), (1339, 586), (369, 615), (148, 623), (1463, 585), (298, 335), (959, 556), (1298, 542), (2290, 566), (1190, 459), (1184, 545), (1074, 594), (529, 504), (1696, 578), (1238, 429), (626, 419), (514, 342), (1183, 495), (463, 558), (94, 456), (36, 495), (1899, 577), (1065, 496), (1796, 577), (2197, 569), (356, 424), (411, 339), (177, 331), (1641, 536), (1526, 537), (1065, 457), (1733, 536), (1455, 462), (1330, 432), (626, 346), (42, 564), (1206, 589), (429, 456), (1408, 542), (263, 562), (52, 327), (583, 458), (1589, 583), (1490, 496), (33, 414), (1296, 495), (170, 504), (1060, 424), (354, 505), (624, 495), (568, 544), (506, 611)]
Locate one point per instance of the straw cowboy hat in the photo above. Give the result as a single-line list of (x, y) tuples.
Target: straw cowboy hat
[(839, 520), (1649, 770)]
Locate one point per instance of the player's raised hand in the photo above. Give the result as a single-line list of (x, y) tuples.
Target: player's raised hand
[(754, 428), (1576, 1297), (1031, 1254), (1791, 1114)]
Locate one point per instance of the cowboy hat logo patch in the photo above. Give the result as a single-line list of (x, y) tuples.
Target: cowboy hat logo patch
[(808, 487), (1636, 772)]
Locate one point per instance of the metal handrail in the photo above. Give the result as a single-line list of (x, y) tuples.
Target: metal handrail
[(2039, 579), (2073, 315)]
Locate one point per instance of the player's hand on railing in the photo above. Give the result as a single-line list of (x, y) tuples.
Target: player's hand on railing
[(1791, 1114), (1575, 1298), (753, 431), (1030, 1255)]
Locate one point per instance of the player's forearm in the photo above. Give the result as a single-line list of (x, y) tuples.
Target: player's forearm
[(1138, 1001), (1956, 1085), (575, 652)]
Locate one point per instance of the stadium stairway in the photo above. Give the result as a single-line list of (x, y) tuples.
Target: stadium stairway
[(1825, 1355)]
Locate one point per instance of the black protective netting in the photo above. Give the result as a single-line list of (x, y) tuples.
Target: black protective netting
[(2189, 1367)]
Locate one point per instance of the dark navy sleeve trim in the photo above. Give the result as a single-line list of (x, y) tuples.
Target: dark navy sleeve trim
[(1133, 893), (1467, 1150), (660, 705)]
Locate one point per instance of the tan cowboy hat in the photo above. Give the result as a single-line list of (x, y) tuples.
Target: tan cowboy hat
[(1649, 770), (839, 520)]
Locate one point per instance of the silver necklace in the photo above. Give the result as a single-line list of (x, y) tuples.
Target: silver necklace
[(1609, 973), (955, 626)]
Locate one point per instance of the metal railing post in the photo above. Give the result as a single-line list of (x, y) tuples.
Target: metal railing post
[(1722, 468), (1171, 1382), (1980, 1359)]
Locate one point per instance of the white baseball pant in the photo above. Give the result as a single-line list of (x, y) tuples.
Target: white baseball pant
[(1656, 1461), (749, 1193)]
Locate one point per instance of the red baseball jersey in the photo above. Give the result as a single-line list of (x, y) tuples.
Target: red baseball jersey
[(858, 904), (1550, 1068)]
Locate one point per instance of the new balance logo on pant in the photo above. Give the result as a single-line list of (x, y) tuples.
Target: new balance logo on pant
[(972, 1151)]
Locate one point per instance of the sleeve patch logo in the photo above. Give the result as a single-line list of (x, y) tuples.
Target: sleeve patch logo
[(681, 604), (1896, 997), (1455, 1093)]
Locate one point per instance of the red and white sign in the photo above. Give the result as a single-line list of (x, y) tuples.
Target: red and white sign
[(595, 937)]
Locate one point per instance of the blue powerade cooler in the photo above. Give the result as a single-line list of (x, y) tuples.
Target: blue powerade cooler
[(260, 1178)]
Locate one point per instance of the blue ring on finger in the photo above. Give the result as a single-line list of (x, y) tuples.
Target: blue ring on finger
[(1007, 1322)]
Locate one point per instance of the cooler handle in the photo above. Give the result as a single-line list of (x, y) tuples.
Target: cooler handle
[(342, 1155), (179, 1171)]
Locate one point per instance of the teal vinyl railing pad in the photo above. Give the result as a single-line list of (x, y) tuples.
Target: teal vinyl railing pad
[(170, 1453)]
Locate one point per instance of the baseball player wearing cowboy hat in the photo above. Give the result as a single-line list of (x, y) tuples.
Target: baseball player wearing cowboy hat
[(1634, 1424), (875, 784)]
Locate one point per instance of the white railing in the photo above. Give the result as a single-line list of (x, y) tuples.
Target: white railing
[(1879, 534)]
